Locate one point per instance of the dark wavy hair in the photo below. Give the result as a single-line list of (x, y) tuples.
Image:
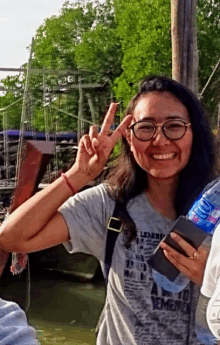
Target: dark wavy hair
[(127, 179)]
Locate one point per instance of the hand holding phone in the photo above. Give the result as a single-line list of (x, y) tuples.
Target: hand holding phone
[(190, 233)]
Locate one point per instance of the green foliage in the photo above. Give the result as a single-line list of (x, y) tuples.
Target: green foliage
[(100, 49), (13, 113), (57, 37), (144, 31), (116, 151), (118, 42), (209, 53), (62, 43)]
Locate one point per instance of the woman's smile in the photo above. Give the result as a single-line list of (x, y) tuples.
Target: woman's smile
[(167, 156), (161, 157)]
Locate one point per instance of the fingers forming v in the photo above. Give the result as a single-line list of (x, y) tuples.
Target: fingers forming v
[(108, 120), (120, 130), (93, 132)]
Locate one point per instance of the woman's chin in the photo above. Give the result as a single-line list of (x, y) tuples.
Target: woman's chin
[(163, 175)]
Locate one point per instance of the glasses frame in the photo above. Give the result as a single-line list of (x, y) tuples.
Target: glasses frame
[(156, 125)]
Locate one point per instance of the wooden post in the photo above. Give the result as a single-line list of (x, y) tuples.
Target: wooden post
[(91, 107), (184, 43), (80, 111)]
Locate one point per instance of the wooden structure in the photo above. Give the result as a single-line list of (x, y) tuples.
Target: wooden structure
[(184, 43), (36, 156), (35, 159)]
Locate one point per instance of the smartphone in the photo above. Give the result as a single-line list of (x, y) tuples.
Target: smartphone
[(190, 233)]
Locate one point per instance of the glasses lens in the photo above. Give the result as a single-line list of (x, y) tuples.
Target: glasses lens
[(144, 130), (174, 129)]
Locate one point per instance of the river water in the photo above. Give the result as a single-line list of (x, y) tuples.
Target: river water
[(62, 310), (65, 312)]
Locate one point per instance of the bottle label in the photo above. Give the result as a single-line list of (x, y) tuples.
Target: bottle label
[(204, 214)]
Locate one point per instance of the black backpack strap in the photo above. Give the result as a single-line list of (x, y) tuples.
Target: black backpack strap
[(114, 227)]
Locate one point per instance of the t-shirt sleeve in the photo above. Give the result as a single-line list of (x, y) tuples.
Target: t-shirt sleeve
[(86, 215), (212, 270)]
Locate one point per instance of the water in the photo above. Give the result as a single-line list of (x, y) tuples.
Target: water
[(62, 310), (66, 334)]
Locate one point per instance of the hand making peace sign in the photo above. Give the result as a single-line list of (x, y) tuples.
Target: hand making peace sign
[(95, 148)]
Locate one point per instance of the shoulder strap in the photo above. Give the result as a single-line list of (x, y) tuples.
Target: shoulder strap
[(114, 227)]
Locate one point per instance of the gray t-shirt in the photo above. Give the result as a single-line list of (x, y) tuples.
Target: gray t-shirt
[(138, 311)]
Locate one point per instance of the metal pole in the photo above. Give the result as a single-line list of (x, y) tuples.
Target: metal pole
[(45, 111), (24, 110), (210, 78), (6, 155)]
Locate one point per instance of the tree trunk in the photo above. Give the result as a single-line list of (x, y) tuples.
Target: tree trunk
[(218, 122), (184, 43)]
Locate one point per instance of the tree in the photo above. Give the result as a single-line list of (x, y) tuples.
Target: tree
[(64, 42), (144, 30), (13, 113), (209, 53), (100, 48), (119, 43)]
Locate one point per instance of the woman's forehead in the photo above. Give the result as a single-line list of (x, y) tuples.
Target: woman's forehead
[(159, 106)]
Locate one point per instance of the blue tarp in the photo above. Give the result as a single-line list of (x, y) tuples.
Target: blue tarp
[(32, 135)]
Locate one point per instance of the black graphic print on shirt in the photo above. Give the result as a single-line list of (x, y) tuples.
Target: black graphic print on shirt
[(149, 301)]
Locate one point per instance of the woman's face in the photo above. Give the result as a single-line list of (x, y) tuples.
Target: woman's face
[(160, 157)]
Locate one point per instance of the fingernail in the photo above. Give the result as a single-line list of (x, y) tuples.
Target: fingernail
[(163, 245), (90, 151), (173, 235)]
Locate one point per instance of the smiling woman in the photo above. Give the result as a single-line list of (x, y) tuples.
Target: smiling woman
[(160, 156), (164, 166)]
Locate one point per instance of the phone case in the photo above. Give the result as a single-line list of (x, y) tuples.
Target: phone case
[(188, 231)]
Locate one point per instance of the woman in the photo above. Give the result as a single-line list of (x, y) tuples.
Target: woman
[(167, 160)]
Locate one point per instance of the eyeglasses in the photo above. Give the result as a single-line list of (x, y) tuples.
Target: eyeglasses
[(145, 130)]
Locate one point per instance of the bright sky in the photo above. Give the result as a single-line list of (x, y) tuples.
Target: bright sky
[(19, 20)]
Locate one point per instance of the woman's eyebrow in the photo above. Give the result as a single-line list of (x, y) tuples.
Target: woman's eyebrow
[(170, 117)]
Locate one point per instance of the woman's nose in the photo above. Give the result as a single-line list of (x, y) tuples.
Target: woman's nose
[(159, 137)]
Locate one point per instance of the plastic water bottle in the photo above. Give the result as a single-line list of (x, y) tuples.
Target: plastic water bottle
[(205, 213)]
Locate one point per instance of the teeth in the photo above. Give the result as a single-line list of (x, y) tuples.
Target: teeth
[(167, 156)]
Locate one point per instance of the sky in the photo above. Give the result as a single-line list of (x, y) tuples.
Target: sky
[(19, 20)]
